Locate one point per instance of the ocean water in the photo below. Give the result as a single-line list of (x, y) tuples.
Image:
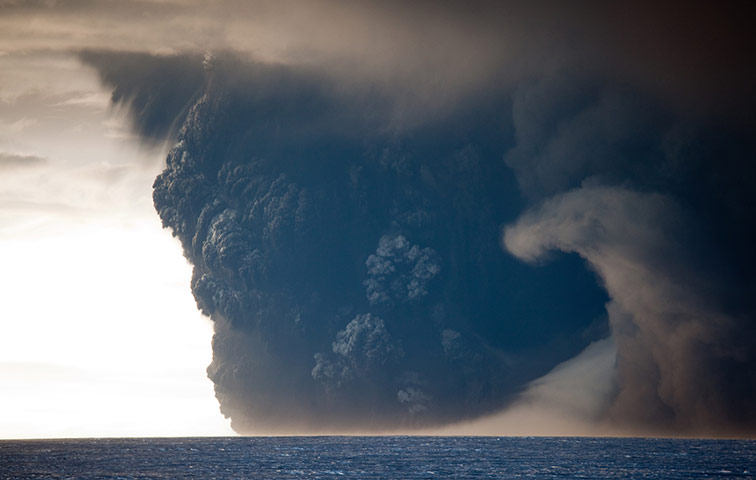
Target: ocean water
[(377, 457)]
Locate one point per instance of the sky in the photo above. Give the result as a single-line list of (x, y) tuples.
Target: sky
[(100, 335), (376, 217)]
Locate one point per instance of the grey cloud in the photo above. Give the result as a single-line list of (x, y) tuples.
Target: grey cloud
[(678, 353), (12, 161)]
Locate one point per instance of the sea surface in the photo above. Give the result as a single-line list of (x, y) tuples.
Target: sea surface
[(377, 457)]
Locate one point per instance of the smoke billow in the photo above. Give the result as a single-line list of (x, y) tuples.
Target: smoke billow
[(654, 206), (363, 236), (354, 271)]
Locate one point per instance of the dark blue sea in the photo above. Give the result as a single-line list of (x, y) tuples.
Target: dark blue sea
[(377, 457)]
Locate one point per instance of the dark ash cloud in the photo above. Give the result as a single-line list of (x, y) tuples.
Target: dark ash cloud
[(344, 212), (354, 272)]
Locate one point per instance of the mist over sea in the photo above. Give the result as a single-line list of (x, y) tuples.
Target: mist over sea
[(377, 457)]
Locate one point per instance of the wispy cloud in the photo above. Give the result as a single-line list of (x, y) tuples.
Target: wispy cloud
[(10, 161)]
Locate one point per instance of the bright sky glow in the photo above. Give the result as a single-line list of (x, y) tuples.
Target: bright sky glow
[(100, 335)]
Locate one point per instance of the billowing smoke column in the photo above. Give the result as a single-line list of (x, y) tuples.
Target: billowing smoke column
[(366, 250), (354, 270)]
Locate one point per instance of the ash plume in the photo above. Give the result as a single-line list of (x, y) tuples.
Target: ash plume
[(354, 272), (364, 237)]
